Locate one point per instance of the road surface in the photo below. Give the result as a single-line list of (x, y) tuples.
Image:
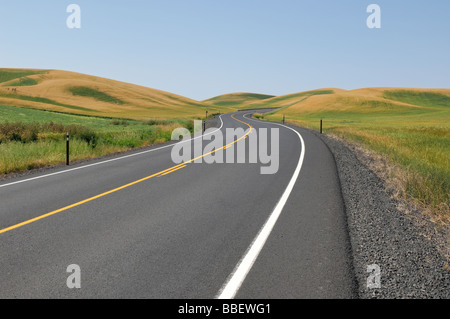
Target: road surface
[(142, 227)]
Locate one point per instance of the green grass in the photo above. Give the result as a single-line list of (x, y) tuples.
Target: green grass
[(95, 94), (28, 115), (32, 138), (415, 139), (17, 156), (427, 99), (8, 75), (24, 82)]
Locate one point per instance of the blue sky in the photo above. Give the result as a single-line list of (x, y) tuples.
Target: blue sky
[(203, 48)]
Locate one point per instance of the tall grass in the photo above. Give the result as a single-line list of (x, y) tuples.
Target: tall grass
[(422, 154), (26, 146), (415, 141)]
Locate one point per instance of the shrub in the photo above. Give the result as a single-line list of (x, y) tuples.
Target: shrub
[(83, 133), (53, 128), (19, 132), (158, 122), (118, 122)]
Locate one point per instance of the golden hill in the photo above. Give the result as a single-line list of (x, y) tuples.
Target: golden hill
[(285, 101), (236, 99), (77, 93), (368, 100)]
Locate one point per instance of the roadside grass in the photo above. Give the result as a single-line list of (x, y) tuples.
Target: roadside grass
[(95, 94), (33, 139), (416, 140)]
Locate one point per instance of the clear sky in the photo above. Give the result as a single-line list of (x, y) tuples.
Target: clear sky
[(203, 48)]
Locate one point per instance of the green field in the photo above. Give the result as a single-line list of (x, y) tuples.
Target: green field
[(413, 135), (32, 138)]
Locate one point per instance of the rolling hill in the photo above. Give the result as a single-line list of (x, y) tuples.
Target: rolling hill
[(237, 100), (368, 101), (70, 92), (285, 101)]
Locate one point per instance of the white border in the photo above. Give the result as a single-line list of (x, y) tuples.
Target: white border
[(107, 161), (240, 272)]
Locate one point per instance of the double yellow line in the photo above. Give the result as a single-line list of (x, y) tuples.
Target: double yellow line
[(159, 174)]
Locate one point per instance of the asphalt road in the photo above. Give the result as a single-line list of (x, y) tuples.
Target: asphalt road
[(136, 233)]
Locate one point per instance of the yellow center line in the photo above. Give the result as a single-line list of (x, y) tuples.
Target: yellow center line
[(162, 173), (176, 169)]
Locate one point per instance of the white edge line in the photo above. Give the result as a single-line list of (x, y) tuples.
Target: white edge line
[(237, 277), (108, 161)]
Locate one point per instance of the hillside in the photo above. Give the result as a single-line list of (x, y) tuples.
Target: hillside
[(77, 93), (371, 100), (237, 100)]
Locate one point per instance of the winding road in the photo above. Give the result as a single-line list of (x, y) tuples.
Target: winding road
[(140, 226)]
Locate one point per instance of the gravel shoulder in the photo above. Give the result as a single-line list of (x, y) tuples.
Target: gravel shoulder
[(411, 254)]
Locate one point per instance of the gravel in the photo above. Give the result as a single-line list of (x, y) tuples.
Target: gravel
[(411, 264)]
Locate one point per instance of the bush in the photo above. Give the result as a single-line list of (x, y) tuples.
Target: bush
[(118, 122), (53, 128), (190, 126), (83, 133), (19, 132), (158, 122)]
